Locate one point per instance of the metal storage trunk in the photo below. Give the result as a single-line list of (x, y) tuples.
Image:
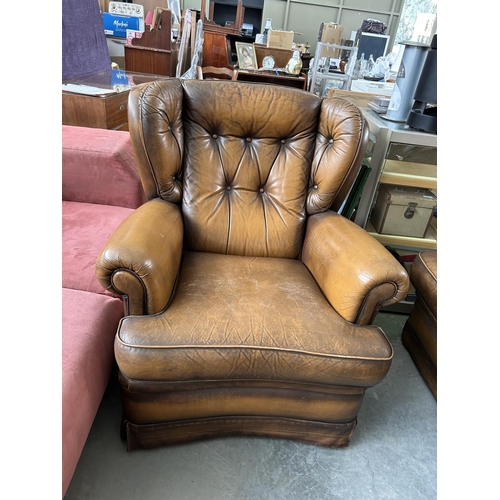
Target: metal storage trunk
[(403, 211)]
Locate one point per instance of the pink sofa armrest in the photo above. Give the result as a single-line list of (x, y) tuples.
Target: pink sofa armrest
[(98, 166), (89, 324)]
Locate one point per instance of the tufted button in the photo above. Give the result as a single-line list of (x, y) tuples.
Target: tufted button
[(249, 139), (173, 177), (228, 188), (283, 141), (331, 141), (315, 186), (261, 190), (214, 136)]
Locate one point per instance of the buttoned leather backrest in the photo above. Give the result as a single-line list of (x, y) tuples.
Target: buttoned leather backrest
[(248, 163)]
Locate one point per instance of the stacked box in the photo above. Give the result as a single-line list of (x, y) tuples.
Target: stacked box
[(280, 39), (330, 33)]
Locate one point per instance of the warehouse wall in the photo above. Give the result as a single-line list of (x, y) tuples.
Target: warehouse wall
[(305, 16)]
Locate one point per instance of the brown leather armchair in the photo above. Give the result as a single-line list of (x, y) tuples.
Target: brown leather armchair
[(250, 298)]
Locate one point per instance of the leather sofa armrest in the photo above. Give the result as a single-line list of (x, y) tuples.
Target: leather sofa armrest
[(141, 259), (354, 271)]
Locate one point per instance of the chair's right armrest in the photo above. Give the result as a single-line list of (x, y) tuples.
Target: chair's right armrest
[(142, 257), (99, 166), (355, 272)]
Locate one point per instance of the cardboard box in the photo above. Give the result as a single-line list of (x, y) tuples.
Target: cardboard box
[(280, 39), (330, 33), (118, 25), (403, 211)]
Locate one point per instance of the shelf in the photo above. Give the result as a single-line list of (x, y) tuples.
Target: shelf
[(399, 132), (332, 76), (405, 173), (428, 242)]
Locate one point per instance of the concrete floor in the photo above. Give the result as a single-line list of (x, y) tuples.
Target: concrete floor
[(392, 455)]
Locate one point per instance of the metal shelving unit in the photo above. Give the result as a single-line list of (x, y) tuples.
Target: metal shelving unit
[(394, 169), (318, 83)]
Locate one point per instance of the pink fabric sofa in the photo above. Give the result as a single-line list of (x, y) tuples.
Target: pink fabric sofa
[(100, 188)]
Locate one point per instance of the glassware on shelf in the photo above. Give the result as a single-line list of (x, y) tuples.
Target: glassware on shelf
[(362, 71), (370, 64), (357, 71)]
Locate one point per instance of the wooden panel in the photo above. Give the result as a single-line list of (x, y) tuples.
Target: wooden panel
[(95, 112), (84, 111), (116, 110), (153, 53), (428, 242), (281, 56), (149, 60), (360, 99), (157, 38), (406, 173), (215, 50), (266, 77)]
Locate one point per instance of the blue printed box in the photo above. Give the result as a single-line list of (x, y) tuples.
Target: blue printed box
[(118, 25)]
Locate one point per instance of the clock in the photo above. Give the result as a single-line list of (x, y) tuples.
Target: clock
[(268, 62)]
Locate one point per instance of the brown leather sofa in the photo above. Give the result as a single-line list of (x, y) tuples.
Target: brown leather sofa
[(420, 330), (250, 299)]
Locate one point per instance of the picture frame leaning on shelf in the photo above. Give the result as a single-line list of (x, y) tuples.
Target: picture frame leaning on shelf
[(246, 56)]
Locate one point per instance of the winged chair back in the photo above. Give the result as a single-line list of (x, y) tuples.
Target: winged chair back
[(247, 163)]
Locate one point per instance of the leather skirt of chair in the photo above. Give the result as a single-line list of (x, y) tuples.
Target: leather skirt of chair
[(420, 330), (280, 362)]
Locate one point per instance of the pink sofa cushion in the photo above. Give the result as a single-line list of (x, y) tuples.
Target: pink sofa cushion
[(86, 228), (89, 324), (98, 166)]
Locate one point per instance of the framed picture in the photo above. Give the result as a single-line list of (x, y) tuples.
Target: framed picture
[(246, 55)]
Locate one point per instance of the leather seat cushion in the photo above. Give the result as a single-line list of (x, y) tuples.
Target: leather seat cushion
[(246, 318)]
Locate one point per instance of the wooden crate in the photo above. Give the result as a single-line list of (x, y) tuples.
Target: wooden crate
[(361, 99)]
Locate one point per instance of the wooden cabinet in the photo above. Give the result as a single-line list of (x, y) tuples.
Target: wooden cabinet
[(108, 112), (224, 11), (86, 107)]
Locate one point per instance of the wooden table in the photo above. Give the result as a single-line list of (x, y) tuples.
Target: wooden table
[(299, 82), (107, 111)]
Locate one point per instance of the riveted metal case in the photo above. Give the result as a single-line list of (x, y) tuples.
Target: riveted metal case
[(403, 211)]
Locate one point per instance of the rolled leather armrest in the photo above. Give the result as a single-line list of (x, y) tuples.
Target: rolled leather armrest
[(141, 259), (354, 271)]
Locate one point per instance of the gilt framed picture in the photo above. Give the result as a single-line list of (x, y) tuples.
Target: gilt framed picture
[(246, 55)]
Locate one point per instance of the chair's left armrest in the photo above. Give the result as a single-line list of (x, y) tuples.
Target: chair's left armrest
[(355, 272), (142, 257)]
